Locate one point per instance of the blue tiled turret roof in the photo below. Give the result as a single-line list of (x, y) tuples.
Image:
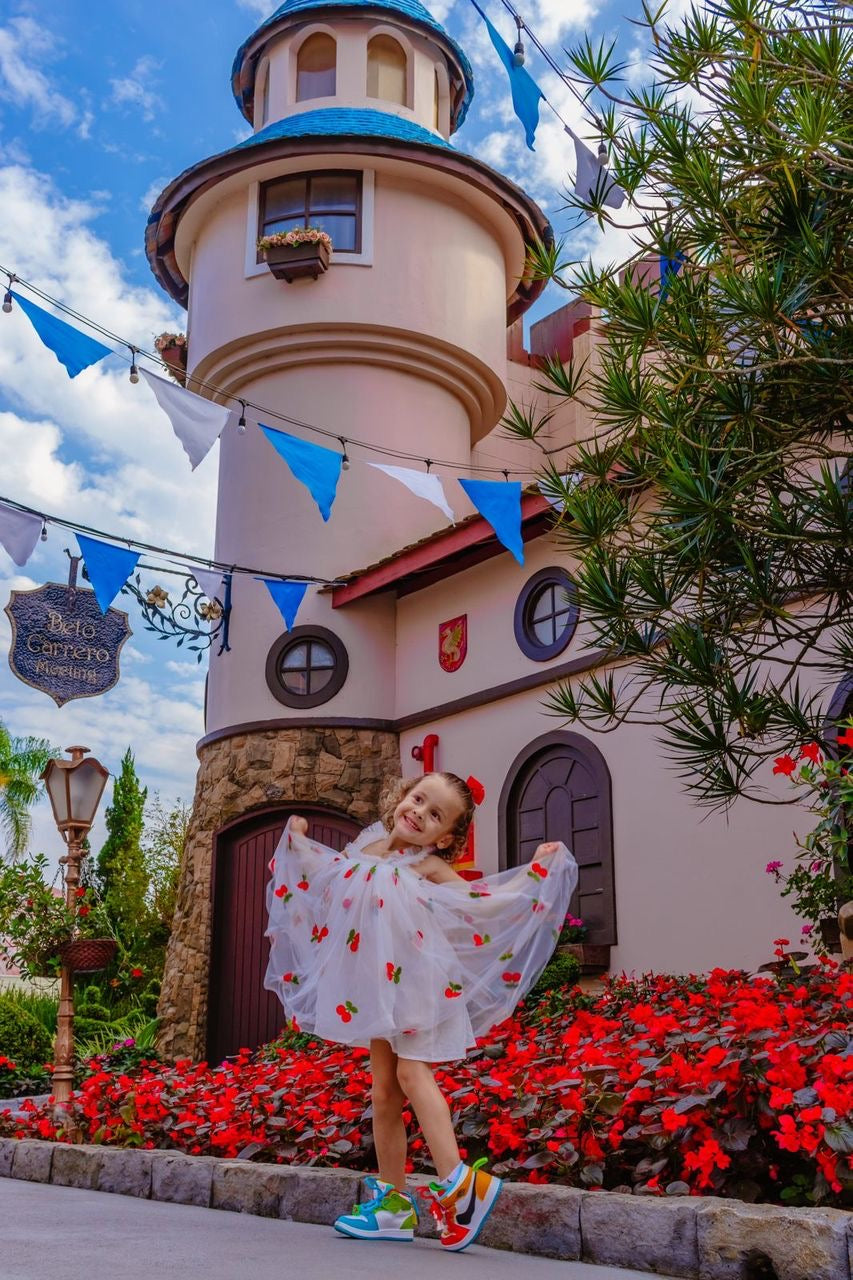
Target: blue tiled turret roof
[(346, 121), (411, 9)]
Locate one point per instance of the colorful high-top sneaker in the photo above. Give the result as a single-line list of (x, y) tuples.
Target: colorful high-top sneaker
[(463, 1207), (390, 1215)]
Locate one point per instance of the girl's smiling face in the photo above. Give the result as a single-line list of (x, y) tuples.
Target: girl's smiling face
[(427, 815)]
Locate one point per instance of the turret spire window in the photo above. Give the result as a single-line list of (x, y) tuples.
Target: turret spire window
[(315, 68)]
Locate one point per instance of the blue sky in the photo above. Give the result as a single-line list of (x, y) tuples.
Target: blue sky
[(100, 106)]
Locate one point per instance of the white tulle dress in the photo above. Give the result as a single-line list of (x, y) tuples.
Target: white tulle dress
[(364, 947)]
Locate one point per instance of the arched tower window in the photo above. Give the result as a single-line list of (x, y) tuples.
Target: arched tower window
[(315, 68), (386, 70)]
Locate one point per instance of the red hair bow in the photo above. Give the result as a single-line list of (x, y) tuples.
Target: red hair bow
[(478, 791)]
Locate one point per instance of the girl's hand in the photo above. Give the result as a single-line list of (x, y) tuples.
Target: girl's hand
[(545, 849), (299, 825)]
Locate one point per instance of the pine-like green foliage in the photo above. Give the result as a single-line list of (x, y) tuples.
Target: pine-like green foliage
[(713, 526), (122, 872), (22, 761)]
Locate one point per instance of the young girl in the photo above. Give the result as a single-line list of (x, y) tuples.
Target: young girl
[(383, 945)]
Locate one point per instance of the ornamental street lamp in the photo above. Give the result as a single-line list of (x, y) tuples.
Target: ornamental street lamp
[(75, 788)]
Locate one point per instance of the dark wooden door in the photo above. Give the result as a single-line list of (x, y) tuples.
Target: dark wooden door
[(559, 789), (241, 1013)]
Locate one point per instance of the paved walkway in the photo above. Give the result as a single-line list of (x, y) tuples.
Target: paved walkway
[(48, 1232)]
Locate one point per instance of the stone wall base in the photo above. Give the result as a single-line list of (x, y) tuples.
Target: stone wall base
[(338, 766), (695, 1238)]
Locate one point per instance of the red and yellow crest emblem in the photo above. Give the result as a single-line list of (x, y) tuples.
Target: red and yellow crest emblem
[(453, 642)]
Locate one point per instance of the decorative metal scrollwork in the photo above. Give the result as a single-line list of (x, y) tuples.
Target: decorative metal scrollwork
[(194, 619)]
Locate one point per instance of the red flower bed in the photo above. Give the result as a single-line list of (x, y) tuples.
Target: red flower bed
[(725, 1085)]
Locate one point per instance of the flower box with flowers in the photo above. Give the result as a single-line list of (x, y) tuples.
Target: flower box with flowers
[(593, 957), (725, 1085), (172, 349), (303, 253)]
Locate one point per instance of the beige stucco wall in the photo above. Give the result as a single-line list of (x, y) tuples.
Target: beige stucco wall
[(691, 889)]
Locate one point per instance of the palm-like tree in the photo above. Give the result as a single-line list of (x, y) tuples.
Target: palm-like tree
[(22, 761)]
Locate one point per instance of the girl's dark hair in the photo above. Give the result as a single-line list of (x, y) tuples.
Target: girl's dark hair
[(396, 788)]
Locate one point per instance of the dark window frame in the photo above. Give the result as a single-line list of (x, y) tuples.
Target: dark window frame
[(308, 210), (303, 635), (525, 637)]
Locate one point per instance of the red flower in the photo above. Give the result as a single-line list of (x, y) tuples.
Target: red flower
[(353, 939), (83, 911), (785, 764), (136, 973), (80, 893), (845, 739), (303, 884), (281, 891), (811, 751)]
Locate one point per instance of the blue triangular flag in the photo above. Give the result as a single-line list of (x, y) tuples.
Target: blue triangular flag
[(287, 595), (524, 89), (72, 348), (319, 469), (108, 567), (669, 269), (499, 502)]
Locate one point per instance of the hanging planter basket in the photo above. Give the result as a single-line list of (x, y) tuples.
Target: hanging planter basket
[(87, 955)]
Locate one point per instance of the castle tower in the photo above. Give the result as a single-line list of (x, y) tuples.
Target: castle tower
[(401, 343)]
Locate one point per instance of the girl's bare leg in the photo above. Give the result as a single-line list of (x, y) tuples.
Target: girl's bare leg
[(389, 1132), (430, 1106)]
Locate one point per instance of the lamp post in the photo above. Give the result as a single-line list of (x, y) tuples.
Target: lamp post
[(75, 788)]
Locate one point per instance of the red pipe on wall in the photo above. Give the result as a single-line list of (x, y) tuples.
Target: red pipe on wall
[(426, 752)]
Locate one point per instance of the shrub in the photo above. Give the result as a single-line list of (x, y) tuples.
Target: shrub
[(23, 1038), (562, 970)]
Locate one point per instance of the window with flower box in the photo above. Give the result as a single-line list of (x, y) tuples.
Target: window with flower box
[(330, 201)]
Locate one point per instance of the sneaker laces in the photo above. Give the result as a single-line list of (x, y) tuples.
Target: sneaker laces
[(434, 1192)]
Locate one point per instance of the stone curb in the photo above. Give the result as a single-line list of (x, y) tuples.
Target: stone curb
[(691, 1237)]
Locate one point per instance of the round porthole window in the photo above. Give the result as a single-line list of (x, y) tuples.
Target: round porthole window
[(306, 667), (546, 614)]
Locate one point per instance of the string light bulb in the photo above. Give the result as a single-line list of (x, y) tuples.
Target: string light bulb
[(518, 51), (7, 301), (134, 371), (43, 531), (345, 459), (241, 425), (602, 152)]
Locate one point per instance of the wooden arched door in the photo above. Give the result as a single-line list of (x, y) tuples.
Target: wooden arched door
[(241, 1012), (558, 788)]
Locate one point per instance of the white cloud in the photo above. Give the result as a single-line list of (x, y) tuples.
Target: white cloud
[(99, 451), (24, 46), (261, 8), (151, 193), (135, 89)]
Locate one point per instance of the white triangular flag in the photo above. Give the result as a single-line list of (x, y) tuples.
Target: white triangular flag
[(547, 486), (591, 173), (423, 484), (210, 581), (19, 532), (196, 422)]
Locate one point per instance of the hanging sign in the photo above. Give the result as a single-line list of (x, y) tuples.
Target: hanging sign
[(63, 644), (453, 642)]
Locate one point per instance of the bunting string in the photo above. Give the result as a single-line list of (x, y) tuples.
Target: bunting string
[(33, 521), (258, 410)]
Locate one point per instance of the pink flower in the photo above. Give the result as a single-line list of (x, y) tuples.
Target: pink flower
[(817, 865), (772, 868), (807, 929)]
